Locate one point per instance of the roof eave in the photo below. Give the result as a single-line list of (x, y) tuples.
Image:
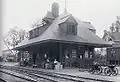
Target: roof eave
[(63, 41)]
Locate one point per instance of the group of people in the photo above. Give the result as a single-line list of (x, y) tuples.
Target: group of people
[(48, 64), (52, 64)]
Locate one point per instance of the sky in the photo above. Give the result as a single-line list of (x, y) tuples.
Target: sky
[(23, 13)]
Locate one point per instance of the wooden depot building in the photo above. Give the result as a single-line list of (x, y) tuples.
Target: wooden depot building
[(113, 52), (62, 37)]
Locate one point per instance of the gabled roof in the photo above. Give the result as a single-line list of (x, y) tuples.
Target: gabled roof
[(87, 34), (116, 35), (116, 45), (113, 35), (63, 17), (53, 32)]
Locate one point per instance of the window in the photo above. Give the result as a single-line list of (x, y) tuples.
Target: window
[(91, 54), (81, 56), (86, 54), (67, 55), (36, 32), (71, 29), (112, 51), (31, 34), (74, 54)]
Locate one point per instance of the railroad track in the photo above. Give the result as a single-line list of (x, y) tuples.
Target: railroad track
[(42, 75), (2, 80), (52, 77), (13, 75)]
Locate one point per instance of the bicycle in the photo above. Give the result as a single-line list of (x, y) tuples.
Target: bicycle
[(111, 70), (95, 69)]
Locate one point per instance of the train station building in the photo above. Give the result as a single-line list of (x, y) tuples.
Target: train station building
[(113, 52), (62, 37)]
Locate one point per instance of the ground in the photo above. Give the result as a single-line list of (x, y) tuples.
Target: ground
[(76, 72), (9, 63)]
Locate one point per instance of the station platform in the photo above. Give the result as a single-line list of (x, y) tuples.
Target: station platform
[(81, 73), (84, 74)]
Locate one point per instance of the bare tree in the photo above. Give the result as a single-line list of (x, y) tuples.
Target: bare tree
[(117, 24), (14, 36), (112, 27), (115, 27), (99, 58)]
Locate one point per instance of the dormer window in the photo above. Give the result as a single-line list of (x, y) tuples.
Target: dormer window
[(71, 29), (68, 25)]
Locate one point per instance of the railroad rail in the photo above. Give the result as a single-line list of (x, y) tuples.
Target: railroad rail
[(25, 78), (42, 75), (2, 80), (53, 77)]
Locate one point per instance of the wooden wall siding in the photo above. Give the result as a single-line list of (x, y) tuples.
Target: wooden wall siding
[(113, 54), (77, 61), (56, 50)]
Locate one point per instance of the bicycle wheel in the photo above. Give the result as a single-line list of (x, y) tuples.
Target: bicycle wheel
[(115, 71), (99, 70), (107, 71), (91, 70)]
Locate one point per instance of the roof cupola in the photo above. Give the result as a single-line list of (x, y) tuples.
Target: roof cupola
[(55, 9)]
